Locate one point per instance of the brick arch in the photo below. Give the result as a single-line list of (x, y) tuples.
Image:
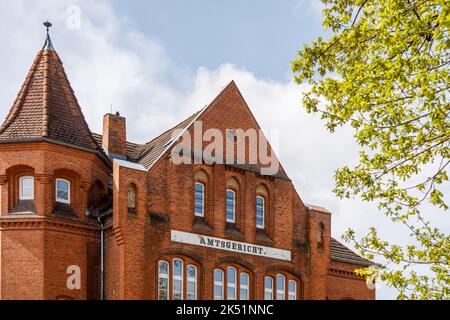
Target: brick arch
[(184, 252), (9, 163), (288, 270), (240, 265), (13, 174), (235, 260), (71, 167), (186, 256), (202, 169), (283, 268), (237, 178)]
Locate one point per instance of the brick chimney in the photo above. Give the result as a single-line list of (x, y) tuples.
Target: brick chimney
[(115, 136)]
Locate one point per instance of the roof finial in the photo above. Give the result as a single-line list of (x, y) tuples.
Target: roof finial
[(47, 24), (48, 45)]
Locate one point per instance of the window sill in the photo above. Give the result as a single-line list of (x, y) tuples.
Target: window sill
[(201, 225), (232, 231), (24, 207), (64, 209), (263, 238)]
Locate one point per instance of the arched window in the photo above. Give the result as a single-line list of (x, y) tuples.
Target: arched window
[(231, 283), (26, 188), (218, 284), (163, 280), (243, 286), (292, 290), (199, 199), (260, 212), (281, 290), (177, 285), (231, 206), (268, 288), (191, 282), (62, 190), (131, 198)]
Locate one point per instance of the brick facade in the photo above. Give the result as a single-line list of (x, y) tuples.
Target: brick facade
[(41, 238)]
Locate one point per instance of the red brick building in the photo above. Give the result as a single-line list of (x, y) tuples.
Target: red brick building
[(89, 216)]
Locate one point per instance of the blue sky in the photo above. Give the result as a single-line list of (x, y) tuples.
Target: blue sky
[(158, 62), (261, 36)]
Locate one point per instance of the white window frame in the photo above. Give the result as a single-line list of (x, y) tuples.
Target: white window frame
[(68, 191), (233, 220), (259, 226), (198, 214), (177, 278), (292, 295), (164, 276), (244, 286), (191, 280), (232, 285), (281, 291), (220, 284), (268, 290), (21, 196)]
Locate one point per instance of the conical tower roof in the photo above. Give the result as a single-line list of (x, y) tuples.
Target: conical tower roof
[(46, 106)]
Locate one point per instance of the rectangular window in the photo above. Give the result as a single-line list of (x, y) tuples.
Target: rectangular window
[(62, 191), (199, 200), (268, 288), (177, 286), (191, 283), (231, 206), (218, 284), (260, 210), (292, 292), (243, 283), (281, 280), (163, 281), (231, 283), (26, 186)]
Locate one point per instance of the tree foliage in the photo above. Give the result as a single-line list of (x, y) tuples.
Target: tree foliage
[(385, 71)]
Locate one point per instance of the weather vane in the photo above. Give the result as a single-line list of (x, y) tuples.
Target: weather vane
[(47, 24), (48, 42)]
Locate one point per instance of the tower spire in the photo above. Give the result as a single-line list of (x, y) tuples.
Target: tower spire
[(48, 45)]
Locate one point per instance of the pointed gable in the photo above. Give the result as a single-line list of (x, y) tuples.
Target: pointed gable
[(227, 111), (46, 107)]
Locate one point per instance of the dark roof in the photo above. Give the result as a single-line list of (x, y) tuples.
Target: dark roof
[(155, 148), (146, 154), (46, 107), (341, 253)]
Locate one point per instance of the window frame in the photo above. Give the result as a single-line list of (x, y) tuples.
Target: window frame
[(232, 285), (177, 278), (220, 284), (191, 280), (268, 290), (279, 291), (198, 214), (21, 196), (292, 293), (233, 220), (57, 199), (164, 276), (263, 226), (245, 287)]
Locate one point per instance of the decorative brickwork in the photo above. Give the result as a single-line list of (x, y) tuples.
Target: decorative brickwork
[(59, 191)]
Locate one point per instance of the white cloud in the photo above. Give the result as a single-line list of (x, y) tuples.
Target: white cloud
[(110, 62)]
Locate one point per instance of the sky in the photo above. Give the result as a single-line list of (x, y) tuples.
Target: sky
[(157, 62)]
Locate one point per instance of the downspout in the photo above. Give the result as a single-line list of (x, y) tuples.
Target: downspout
[(102, 252), (102, 258)]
